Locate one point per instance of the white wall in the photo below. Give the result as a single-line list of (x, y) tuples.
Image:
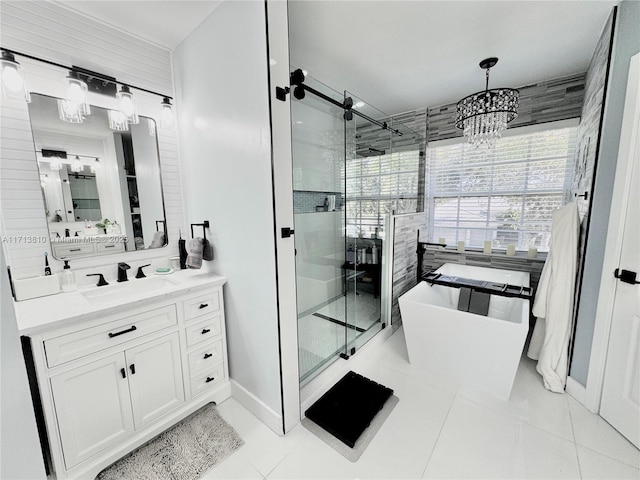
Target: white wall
[(50, 31), (20, 454), (223, 115)]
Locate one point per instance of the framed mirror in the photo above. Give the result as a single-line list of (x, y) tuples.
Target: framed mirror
[(101, 186)]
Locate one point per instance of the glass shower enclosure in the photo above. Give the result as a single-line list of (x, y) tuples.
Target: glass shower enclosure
[(349, 173)]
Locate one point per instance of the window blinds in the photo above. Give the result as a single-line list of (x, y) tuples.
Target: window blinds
[(506, 194), (378, 185)]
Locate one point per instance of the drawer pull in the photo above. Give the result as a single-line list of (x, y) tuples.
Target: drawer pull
[(133, 368), (205, 330), (208, 355), (109, 246), (210, 379), (123, 372), (133, 328), (75, 249), (203, 305)]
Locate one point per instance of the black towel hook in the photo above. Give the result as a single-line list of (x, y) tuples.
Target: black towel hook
[(204, 226)]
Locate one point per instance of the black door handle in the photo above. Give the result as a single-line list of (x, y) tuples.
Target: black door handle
[(208, 355), (286, 232), (626, 276), (123, 372), (133, 368)]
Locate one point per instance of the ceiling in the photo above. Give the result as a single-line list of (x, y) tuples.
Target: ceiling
[(402, 55), (163, 22)]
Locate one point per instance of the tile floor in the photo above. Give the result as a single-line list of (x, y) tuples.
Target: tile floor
[(441, 431)]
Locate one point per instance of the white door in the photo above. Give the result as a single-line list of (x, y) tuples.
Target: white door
[(621, 389), (92, 407), (155, 378)]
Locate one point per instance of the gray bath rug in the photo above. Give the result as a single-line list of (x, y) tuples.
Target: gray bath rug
[(184, 452), (353, 454)]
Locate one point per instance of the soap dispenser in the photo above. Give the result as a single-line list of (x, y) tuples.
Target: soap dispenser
[(68, 279)]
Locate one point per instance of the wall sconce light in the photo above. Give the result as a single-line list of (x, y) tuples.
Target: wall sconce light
[(55, 158), (75, 104), (126, 105), (96, 165), (117, 121), (14, 84), (75, 92), (76, 165), (166, 116)]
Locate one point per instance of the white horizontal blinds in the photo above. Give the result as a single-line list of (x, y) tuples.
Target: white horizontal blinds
[(378, 185), (506, 194)]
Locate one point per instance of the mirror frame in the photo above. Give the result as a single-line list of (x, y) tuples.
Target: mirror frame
[(103, 241)]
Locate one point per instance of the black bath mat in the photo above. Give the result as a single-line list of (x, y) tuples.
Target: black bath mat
[(347, 409)]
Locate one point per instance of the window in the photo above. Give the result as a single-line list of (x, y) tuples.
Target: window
[(506, 194), (378, 185)]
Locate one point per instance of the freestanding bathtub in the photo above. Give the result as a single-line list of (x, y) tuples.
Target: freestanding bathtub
[(474, 350)]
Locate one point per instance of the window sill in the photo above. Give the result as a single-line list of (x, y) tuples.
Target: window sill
[(520, 255)]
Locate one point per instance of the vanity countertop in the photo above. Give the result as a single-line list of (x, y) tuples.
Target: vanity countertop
[(62, 309)]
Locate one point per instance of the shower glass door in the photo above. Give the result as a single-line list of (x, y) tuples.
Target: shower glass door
[(365, 210), (350, 170), (318, 142)]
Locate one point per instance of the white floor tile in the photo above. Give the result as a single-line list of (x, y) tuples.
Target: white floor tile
[(479, 443), (530, 402), (593, 432), (236, 466), (263, 449), (595, 466), (401, 447)]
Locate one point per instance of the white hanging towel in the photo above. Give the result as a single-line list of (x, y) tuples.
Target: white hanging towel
[(553, 305)]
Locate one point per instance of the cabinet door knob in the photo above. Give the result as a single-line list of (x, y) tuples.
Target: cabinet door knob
[(208, 355), (133, 368), (205, 330), (123, 372), (210, 379), (203, 305)]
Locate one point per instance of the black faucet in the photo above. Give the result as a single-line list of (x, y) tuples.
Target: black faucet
[(140, 273), (101, 280), (122, 272)]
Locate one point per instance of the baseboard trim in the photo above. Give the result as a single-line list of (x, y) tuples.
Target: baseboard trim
[(576, 390), (262, 411)]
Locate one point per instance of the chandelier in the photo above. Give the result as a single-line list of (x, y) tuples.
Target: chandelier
[(484, 115)]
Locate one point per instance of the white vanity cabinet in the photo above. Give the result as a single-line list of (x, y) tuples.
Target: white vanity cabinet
[(113, 381)]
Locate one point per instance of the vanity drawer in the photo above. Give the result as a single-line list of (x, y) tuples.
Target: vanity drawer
[(109, 247), (204, 330), (66, 251), (207, 379), (74, 345), (202, 304), (206, 356)]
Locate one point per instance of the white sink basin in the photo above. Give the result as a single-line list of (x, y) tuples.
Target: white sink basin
[(127, 289)]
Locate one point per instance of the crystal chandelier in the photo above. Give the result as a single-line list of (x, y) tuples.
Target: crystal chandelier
[(484, 115)]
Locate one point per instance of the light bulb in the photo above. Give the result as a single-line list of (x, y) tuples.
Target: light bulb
[(13, 83), (166, 117), (126, 106), (77, 166), (11, 78)]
